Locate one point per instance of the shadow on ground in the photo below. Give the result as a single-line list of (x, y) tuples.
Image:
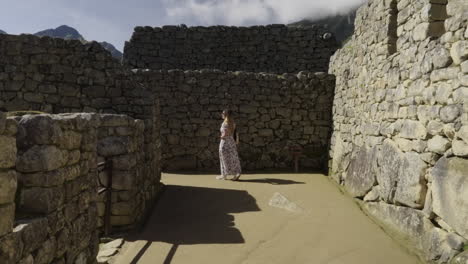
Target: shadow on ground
[(272, 181), (188, 215)]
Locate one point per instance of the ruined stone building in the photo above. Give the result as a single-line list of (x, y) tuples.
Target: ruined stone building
[(389, 121)]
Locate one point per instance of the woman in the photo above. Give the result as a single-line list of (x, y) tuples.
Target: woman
[(228, 157)]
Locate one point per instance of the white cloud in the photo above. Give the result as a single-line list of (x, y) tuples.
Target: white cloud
[(245, 12)]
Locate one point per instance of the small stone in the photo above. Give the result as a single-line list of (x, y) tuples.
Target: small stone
[(460, 148), (413, 130), (463, 134), (113, 244), (449, 113), (438, 144), (459, 52), (280, 201)]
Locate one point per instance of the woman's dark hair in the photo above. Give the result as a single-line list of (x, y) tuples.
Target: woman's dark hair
[(227, 112)]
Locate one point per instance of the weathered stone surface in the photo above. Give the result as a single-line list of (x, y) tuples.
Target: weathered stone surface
[(389, 160), (6, 221), (11, 248), (41, 158), (411, 187), (449, 113), (459, 52), (450, 192), (113, 146), (460, 148), (40, 200), (38, 129), (412, 228), (461, 258), (361, 172), (413, 130), (8, 152), (8, 184), (438, 144)]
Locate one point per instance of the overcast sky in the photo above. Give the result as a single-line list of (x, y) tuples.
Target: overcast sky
[(113, 20)]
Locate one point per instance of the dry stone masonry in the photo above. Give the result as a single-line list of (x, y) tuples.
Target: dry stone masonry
[(273, 48), (120, 140), (59, 76), (52, 158), (272, 112), (400, 140), (55, 206)]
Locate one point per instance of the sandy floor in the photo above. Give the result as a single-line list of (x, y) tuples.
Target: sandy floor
[(202, 220)]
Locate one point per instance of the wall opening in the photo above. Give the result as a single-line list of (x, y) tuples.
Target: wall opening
[(393, 28)]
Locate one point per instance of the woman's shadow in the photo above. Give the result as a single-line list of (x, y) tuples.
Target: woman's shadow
[(187, 215)]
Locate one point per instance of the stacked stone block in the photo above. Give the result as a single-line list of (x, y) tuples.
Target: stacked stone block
[(121, 141), (400, 121), (56, 213), (272, 48), (272, 112), (60, 76)]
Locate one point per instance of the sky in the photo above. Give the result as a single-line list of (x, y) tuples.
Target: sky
[(113, 20)]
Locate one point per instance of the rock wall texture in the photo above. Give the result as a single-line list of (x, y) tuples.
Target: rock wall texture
[(273, 48), (120, 140), (400, 139), (60, 76), (272, 112), (51, 182), (56, 216)]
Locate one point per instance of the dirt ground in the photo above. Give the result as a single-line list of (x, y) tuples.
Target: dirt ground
[(262, 219)]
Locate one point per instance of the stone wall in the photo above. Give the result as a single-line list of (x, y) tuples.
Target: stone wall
[(60, 76), (272, 112), (8, 177), (121, 141), (400, 140), (56, 212), (273, 48)]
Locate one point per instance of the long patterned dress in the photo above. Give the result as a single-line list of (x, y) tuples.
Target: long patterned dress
[(228, 157)]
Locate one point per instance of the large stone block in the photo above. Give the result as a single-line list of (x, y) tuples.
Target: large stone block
[(412, 228), (389, 161), (450, 192), (41, 158), (40, 200), (8, 184), (361, 173), (113, 146), (411, 186), (38, 129), (7, 152)]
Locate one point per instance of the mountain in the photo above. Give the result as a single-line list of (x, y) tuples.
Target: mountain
[(341, 25), (113, 50), (2, 32), (67, 32), (64, 32)]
